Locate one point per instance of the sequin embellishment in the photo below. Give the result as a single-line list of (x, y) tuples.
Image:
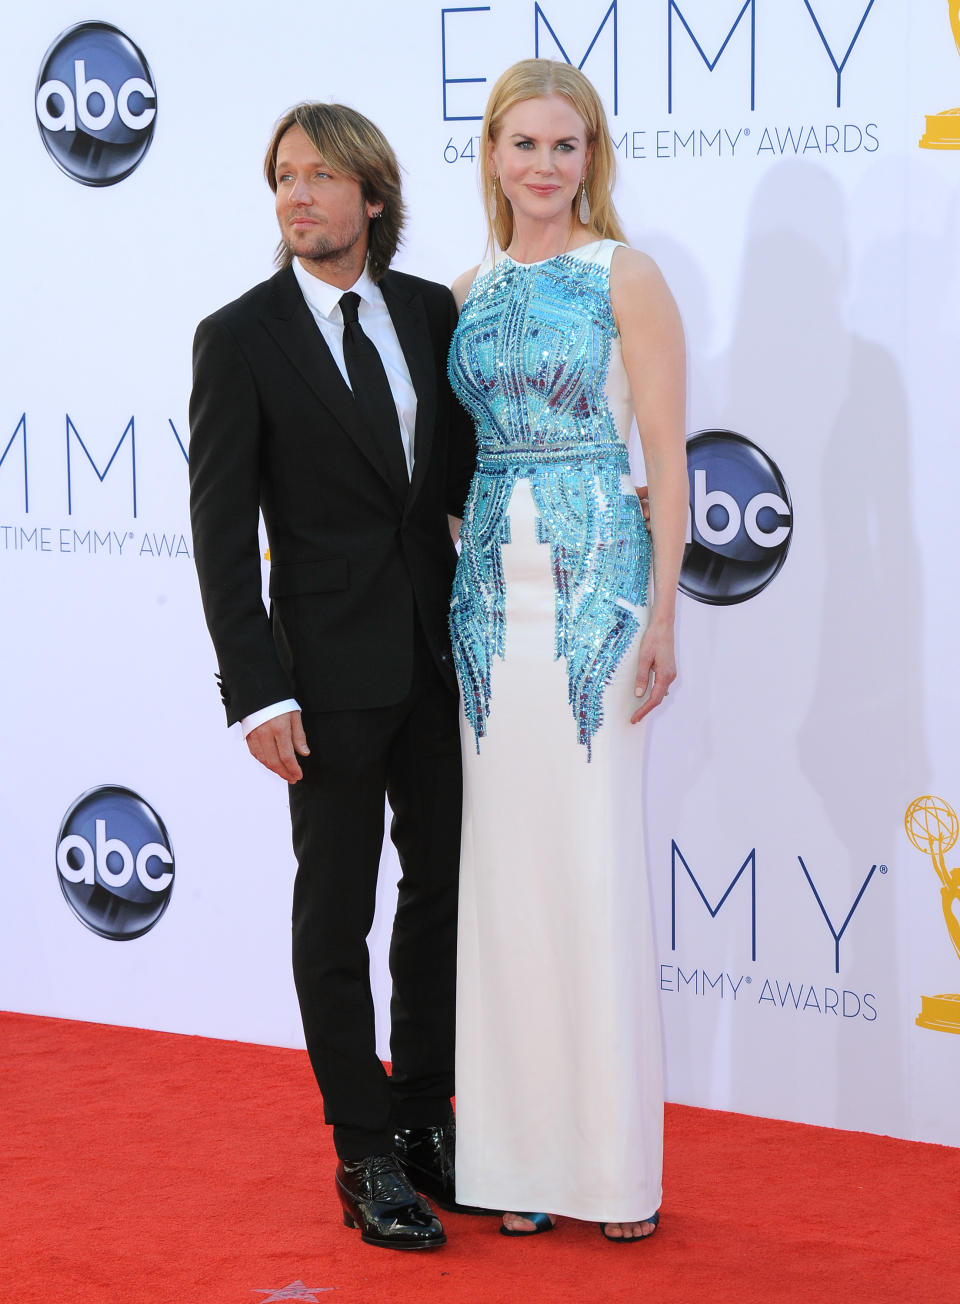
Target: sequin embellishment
[(529, 361)]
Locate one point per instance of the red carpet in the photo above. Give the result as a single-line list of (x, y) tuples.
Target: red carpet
[(145, 1168)]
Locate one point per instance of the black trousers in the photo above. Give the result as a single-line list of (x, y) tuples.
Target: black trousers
[(409, 753)]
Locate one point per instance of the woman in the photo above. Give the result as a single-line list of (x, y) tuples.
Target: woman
[(561, 653)]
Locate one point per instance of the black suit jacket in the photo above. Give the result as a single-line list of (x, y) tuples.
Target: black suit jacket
[(273, 428)]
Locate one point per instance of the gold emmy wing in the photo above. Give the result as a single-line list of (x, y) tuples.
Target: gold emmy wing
[(943, 129)]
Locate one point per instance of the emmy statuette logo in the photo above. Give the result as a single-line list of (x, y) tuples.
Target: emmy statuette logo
[(932, 826), (943, 129)]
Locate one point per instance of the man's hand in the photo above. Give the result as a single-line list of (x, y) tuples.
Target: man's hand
[(277, 744)]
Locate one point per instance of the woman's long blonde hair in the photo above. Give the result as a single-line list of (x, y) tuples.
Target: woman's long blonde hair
[(532, 79)]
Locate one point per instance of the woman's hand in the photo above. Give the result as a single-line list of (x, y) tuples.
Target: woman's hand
[(656, 668)]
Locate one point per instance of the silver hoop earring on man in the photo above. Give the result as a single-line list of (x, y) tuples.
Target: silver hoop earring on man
[(583, 212)]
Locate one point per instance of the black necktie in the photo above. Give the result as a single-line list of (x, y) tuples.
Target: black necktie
[(372, 394)]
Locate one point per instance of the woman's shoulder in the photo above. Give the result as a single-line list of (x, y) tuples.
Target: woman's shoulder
[(631, 264), (621, 260), (633, 275), (461, 286), (638, 291)]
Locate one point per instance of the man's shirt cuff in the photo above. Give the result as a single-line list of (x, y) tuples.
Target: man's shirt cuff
[(250, 722)]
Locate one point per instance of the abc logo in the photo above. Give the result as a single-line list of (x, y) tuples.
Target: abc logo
[(740, 519), (115, 863), (96, 104)]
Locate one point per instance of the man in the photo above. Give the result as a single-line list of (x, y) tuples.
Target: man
[(320, 398)]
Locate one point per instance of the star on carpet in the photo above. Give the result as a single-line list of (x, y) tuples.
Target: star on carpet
[(296, 1290)]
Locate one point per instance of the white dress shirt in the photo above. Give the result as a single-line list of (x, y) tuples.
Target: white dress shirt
[(323, 300)]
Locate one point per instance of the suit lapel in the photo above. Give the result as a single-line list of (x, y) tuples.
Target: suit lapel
[(291, 324), (410, 322)]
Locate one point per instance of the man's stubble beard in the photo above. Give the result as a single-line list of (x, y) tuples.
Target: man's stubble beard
[(332, 250)]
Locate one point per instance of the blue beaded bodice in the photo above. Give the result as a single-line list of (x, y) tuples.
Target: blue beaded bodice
[(529, 360)]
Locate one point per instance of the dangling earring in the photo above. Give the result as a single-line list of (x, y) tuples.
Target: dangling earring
[(492, 205), (583, 212)]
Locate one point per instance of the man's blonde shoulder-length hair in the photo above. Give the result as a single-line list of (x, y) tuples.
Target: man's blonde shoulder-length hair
[(532, 79), (353, 146)]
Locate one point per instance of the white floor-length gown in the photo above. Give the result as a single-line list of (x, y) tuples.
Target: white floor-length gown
[(559, 1080)]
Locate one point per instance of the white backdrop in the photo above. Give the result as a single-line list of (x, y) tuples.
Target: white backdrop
[(811, 245)]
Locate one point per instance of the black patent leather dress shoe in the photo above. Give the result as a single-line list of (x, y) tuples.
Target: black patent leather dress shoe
[(377, 1197), (428, 1155)]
